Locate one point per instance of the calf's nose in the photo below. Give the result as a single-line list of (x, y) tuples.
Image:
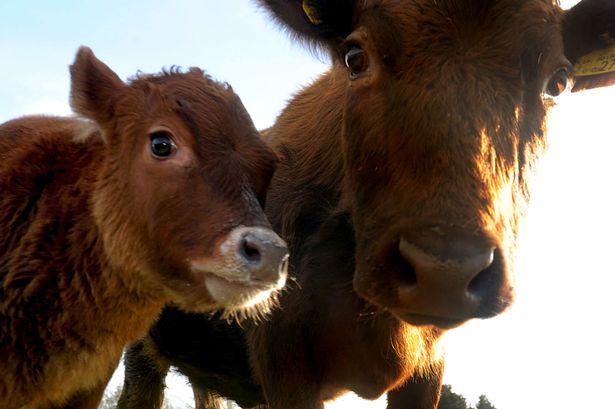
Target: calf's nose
[(263, 253), (450, 277)]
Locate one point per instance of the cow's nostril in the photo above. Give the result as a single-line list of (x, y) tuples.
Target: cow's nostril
[(481, 282), (249, 250), (406, 272), (488, 282)]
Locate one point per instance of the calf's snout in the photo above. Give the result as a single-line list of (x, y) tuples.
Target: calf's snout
[(246, 268), (251, 256), (263, 254)]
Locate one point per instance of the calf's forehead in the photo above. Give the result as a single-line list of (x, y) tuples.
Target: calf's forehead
[(212, 111)]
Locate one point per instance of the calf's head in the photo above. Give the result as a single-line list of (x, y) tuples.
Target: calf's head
[(443, 114), (183, 179)]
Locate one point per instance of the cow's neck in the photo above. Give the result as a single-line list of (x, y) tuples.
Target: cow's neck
[(307, 136), (126, 300), (100, 310), (74, 310), (113, 294)]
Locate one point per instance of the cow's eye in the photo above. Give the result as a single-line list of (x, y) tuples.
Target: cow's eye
[(558, 83), (356, 60), (162, 144)]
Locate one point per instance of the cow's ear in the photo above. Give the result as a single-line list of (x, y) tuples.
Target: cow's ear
[(320, 22), (589, 40), (95, 88)]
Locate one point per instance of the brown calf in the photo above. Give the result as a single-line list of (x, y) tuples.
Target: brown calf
[(157, 200), (402, 181)]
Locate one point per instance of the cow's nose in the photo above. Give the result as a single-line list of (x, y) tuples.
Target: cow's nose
[(263, 253), (455, 278)]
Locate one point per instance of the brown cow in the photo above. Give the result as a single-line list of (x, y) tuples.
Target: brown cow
[(402, 181), (101, 226)]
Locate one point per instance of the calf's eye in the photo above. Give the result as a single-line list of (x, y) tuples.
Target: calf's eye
[(356, 60), (558, 83), (162, 145)]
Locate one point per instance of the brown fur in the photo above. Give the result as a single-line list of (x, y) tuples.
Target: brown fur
[(96, 234), (441, 129)]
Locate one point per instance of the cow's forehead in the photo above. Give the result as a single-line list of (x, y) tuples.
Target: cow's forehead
[(500, 33), (430, 20), (468, 7)]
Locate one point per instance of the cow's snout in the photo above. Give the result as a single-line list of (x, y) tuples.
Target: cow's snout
[(263, 253), (451, 277)]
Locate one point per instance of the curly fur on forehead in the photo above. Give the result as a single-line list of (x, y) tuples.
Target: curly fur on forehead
[(202, 102), (192, 83), (459, 17)]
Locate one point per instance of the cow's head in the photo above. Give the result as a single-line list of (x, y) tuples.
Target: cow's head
[(444, 113)]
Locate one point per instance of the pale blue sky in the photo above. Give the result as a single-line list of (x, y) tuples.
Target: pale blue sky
[(231, 39), (553, 350)]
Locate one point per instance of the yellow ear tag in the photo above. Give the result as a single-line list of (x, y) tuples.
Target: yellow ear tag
[(311, 13), (596, 63)]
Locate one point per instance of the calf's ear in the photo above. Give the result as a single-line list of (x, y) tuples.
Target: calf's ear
[(320, 22), (94, 87), (589, 41)]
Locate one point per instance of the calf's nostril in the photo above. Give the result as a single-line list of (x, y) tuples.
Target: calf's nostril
[(249, 250)]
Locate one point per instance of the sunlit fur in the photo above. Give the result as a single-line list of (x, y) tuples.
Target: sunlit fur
[(256, 308)]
